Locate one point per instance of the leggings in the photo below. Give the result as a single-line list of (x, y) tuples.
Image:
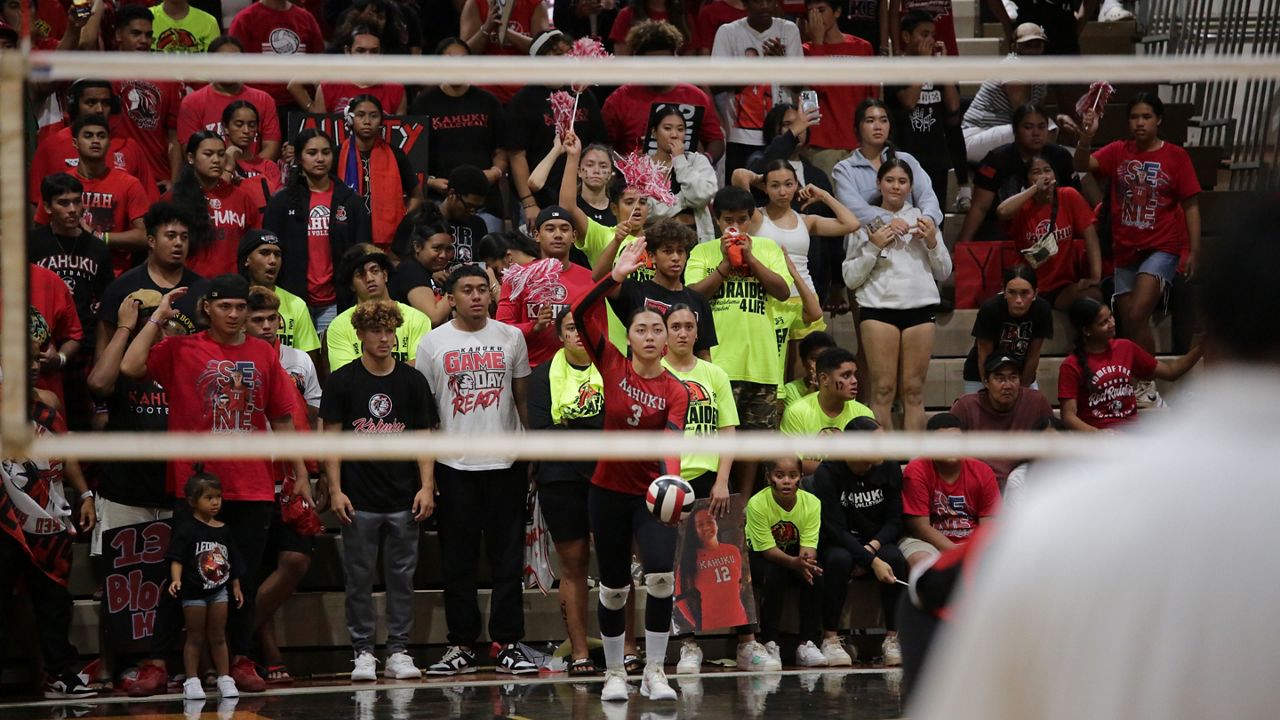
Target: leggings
[(772, 582), (837, 564), (616, 519)]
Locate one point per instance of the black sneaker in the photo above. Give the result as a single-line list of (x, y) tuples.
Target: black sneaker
[(456, 661), (511, 659), (68, 685)]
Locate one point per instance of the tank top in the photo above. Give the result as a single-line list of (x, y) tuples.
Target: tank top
[(794, 242)]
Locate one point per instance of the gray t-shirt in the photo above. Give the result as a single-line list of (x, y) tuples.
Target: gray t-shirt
[(991, 107)]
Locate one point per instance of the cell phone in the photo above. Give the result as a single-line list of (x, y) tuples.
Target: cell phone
[(809, 102)]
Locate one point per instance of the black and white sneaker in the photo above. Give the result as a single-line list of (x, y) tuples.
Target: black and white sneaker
[(511, 659), (456, 661), (68, 685)]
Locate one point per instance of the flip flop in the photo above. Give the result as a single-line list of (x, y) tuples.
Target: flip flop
[(583, 666), (278, 675), (631, 662)]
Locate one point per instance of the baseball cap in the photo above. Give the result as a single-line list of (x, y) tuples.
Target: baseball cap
[(551, 212), (147, 298), (1029, 31), (251, 241), (228, 287), (994, 362)]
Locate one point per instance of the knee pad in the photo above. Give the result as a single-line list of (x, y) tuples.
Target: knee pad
[(660, 585), (614, 599)]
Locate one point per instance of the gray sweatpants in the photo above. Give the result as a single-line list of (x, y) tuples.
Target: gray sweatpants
[(398, 535)]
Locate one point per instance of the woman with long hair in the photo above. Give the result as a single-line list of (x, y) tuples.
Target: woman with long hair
[(240, 125), (220, 211), (595, 172), (693, 179), (419, 279), (1015, 322), (894, 274), (1155, 217), (1096, 382), (377, 170), (856, 177), (640, 394), (317, 220)]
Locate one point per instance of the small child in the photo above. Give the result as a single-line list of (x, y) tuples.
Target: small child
[(783, 522), (204, 563)]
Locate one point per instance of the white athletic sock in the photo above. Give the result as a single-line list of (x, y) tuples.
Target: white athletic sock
[(614, 652), (655, 647)]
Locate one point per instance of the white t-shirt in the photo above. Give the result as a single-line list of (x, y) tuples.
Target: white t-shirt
[(1178, 624), (299, 366), (471, 376), (744, 110)]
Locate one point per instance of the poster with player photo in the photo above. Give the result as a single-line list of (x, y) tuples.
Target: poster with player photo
[(409, 133), (692, 126), (713, 570)]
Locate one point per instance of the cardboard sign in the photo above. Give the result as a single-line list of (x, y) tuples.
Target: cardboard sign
[(409, 133), (136, 578), (713, 570)]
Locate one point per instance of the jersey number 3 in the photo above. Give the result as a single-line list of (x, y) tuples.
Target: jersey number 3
[(634, 420)]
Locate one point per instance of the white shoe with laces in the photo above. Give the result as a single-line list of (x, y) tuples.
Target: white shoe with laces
[(655, 686), (690, 658), (891, 650), (227, 687), (400, 667), (615, 686), (753, 657), (808, 655), (1147, 395), (192, 689), (833, 650), (774, 651), (366, 668)]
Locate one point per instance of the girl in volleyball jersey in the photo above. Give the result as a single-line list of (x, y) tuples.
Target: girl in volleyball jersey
[(639, 394)]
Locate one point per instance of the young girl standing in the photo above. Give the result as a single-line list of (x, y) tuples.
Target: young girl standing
[(204, 575)]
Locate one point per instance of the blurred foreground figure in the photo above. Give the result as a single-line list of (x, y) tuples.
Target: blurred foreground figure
[(1143, 587)]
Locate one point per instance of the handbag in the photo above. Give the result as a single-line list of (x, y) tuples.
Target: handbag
[(537, 547), (298, 513), (1047, 246)]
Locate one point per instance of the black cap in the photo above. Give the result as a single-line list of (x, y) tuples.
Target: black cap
[(357, 257), (251, 241), (994, 362), (228, 287), (551, 212)]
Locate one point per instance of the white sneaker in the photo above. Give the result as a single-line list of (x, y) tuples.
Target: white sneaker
[(891, 650), (366, 668), (774, 651), (833, 650), (690, 658), (400, 666), (753, 657), (615, 686), (192, 689), (1147, 395), (227, 687), (964, 199), (655, 686), (808, 655)]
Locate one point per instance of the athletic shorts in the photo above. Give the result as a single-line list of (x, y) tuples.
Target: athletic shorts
[(910, 546), (112, 515), (282, 538), (1159, 264), (702, 485), (757, 405), (218, 597), (901, 319), (564, 507)]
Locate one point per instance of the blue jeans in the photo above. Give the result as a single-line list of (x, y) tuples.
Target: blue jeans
[(397, 533)]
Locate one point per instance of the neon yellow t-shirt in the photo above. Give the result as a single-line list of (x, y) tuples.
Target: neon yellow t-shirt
[(344, 346), (711, 407), (806, 417), (793, 391), (748, 349), (296, 329), (593, 243), (788, 317), (769, 526), (191, 34)]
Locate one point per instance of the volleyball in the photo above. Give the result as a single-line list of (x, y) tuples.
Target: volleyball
[(669, 498)]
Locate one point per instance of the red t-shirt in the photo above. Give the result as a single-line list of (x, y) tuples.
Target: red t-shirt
[(838, 102), (719, 585), (710, 17), (111, 204), (202, 110), (56, 154), (944, 24), (338, 95), (319, 251), (231, 212), (252, 173), (1113, 374), (954, 509), (520, 20), (150, 111), (50, 295), (1147, 190), (631, 402), (574, 283), (627, 17), (627, 109), (225, 390), (282, 32), (1032, 222)]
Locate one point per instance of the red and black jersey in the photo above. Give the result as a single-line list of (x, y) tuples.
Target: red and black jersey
[(631, 402)]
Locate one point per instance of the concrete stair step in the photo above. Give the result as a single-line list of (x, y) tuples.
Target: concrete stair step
[(979, 47), (1098, 38)]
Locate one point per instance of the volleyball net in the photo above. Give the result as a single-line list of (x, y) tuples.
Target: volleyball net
[(18, 68)]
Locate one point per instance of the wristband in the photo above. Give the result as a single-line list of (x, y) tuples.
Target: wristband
[(155, 322), (86, 495)]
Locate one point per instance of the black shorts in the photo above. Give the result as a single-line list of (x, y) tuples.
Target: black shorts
[(282, 538), (901, 319), (702, 485), (564, 507)]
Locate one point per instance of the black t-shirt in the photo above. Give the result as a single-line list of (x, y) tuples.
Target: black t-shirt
[(136, 406), (409, 275), (539, 413), (139, 279), (530, 126), (466, 235), (1011, 335), (1004, 172), (1058, 18), (83, 263), (366, 403), (605, 217), (650, 294), (921, 131), (464, 130), (208, 555)]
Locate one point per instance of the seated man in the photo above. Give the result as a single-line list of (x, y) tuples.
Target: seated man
[(944, 501), (833, 406), (1001, 406)]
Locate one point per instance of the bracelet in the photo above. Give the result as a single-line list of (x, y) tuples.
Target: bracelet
[(721, 272), (527, 197), (62, 359), (155, 322)]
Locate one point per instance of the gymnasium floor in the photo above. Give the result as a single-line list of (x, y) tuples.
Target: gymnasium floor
[(845, 694)]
